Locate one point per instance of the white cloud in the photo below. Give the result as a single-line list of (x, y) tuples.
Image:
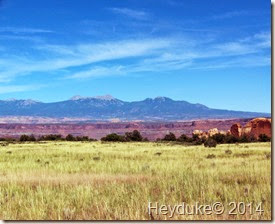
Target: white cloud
[(21, 38), (136, 14), (228, 15), (18, 88), (98, 72), (19, 30), (63, 57), (241, 62), (153, 55)]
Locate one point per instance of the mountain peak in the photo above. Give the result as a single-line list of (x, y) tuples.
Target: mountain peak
[(27, 102), (162, 98), (77, 97), (10, 100), (105, 97), (107, 107)]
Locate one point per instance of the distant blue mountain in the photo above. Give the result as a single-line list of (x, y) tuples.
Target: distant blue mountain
[(108, 107)]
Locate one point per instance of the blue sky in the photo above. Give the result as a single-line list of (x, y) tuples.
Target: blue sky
[(212, 52)]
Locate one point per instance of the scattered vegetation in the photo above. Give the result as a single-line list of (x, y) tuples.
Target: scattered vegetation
[(27, 138), (210, 156), (170, 137), (113, 138), (264, 138), (210, 142), (135, 136), (115, 181)]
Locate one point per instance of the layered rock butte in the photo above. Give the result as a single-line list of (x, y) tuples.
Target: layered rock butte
[(151, 130)]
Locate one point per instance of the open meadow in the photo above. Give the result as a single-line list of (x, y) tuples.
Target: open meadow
[(95, 180)]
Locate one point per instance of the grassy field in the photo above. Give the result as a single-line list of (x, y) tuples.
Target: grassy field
[(65, 180)]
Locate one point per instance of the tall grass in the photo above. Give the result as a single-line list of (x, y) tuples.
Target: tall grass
[(78, 181)]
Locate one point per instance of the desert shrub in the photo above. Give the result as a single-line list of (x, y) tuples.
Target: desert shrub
[(211, 156), (113, 138), (23, 138), (92, 139), (26, 138), (70, 138), (210, 142), (264, 138), (199, 141), (230, 139), (219, 138), (184, 138), (228, 151), (32, 138), (246, 139), (195, 137), (145, 140), (134, 136), (82, 138), (7, 140), (170, 137), (51, 138), (268, 155)]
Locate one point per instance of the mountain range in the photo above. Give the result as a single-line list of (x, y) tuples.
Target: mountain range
[(108, 107)]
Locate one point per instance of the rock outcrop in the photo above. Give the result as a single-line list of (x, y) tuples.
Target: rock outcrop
[(236, 130), (212, 132), (200, 133), (253, 128), (208, 133)]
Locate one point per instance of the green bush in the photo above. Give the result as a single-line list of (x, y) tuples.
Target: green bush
[(264, 138), (51, 138), (7, 139), (246, 139), (26, 138), (195, 137), (219, 138), (134, 136), (230, 139), (113, 138), (210, 142), (170, 137), (145, 140), (184, 138), (70, 138)]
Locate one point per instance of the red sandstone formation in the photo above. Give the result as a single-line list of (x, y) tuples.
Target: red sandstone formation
[(236, 130), (151, 130), (253, 128)]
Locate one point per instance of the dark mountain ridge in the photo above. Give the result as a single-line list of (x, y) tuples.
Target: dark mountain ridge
[(108, 107)]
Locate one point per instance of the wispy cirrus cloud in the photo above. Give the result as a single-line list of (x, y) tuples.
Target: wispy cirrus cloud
[(143, 55), (23, 30), (98, 71), (65, 57), (241, 53), (18, 88), (231, 14), (132, 13)]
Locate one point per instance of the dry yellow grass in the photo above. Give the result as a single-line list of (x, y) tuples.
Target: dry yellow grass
[(80, 181)]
